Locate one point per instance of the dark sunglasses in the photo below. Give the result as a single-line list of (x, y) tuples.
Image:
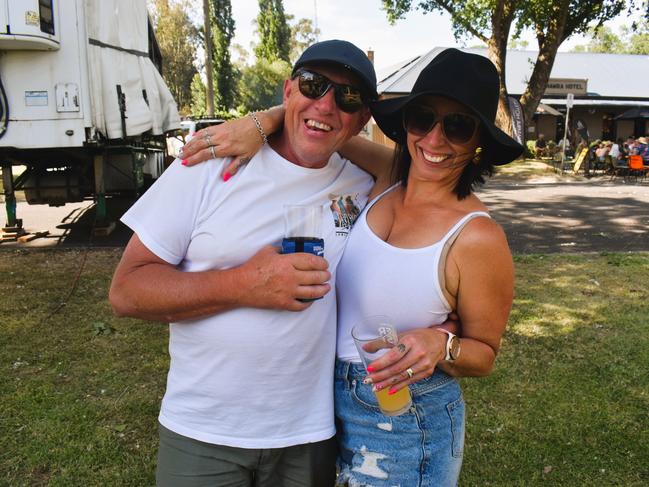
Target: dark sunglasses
[(458, 128), (349, 98)]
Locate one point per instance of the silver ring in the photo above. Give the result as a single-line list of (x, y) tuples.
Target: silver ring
[(212, 151), (410, 372), (207, 140)]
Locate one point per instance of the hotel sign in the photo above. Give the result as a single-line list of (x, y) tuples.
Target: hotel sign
[(563, 86)]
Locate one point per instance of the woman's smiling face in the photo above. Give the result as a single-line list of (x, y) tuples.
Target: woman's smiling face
[(433, 153)]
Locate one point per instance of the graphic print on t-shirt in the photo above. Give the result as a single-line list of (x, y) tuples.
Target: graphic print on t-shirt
[(345, 209)]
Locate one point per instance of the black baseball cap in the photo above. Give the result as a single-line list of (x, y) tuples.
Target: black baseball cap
[(345, 54)]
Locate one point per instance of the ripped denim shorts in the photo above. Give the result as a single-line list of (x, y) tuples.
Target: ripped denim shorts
[(421, 448)]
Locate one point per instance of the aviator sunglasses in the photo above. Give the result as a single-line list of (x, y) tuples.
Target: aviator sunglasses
[(458, 128), (349, 98)]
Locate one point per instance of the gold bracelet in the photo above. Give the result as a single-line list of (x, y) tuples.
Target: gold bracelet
[(260, 129)]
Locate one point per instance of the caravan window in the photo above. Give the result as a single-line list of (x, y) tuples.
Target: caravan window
[(47, 16)]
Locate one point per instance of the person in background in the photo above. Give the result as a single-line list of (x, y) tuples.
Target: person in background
[(642, 148), (568, 147), (248, 399), (615, 152), (601, 154), (422, 247), (540, 147)]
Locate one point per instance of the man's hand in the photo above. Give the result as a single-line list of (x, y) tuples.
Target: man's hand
[(277, 281)]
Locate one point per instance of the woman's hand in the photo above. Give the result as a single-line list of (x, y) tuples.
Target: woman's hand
[(240, 138), (414, 358)]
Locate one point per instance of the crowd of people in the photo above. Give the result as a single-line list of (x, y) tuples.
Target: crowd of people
[(603, 154)]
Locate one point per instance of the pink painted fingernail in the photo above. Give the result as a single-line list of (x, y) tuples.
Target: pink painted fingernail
[(226, 176), (370, 369), (184, 162), (392, 391)]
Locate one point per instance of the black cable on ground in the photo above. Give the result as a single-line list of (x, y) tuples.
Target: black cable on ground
[(75, 283)]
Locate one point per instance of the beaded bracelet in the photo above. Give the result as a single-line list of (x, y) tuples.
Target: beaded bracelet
[(264, 137)]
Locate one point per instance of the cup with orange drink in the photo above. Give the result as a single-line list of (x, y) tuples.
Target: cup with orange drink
[(374, 336)]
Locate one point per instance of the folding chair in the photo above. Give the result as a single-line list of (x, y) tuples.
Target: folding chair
[(637, 167), (620, 168)]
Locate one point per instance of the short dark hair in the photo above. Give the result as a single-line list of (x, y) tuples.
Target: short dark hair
[(472, 176)]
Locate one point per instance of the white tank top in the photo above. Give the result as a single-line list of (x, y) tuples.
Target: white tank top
[(376, 278)]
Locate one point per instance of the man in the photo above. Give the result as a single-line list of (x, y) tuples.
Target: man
[(540, 147), (249, 391), (642, 148)]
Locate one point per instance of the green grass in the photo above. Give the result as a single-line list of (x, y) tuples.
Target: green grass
[(567, 404), (523, 169)]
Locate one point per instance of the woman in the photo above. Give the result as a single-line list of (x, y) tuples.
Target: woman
[(422, 247)]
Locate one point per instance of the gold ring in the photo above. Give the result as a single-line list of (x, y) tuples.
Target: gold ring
[(410, 372), (212, 151), (207, 140)]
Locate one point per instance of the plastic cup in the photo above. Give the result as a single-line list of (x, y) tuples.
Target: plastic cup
[(374, 336), (303, 231)]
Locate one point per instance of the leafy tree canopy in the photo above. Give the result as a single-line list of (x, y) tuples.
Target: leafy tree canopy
[(260, 85), (492, 21), (274, 32), (633, 40), (224, 73), (178, 39)]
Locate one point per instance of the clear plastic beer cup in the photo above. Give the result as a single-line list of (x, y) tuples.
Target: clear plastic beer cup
[(374, 336), (303, 231)]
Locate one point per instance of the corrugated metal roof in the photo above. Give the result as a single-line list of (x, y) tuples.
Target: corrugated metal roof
[(608, 75)]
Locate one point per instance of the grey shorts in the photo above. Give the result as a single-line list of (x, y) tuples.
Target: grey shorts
[(185, 462)]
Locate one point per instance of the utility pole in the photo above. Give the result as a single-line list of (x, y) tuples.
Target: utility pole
[(569, 101), (208, 58), (315, 20)]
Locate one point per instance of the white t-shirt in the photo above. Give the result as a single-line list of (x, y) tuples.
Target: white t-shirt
[(248, 378)]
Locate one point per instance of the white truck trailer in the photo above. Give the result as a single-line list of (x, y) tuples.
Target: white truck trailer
[(82, 103)]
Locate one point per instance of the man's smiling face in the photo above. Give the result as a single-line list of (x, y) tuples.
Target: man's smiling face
[(315, 129)]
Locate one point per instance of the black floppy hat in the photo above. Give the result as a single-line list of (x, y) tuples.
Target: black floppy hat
[(344, 54), (467, 78)]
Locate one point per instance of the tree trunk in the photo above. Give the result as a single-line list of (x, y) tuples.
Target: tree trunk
[(549, 42), (208, 59), (497, 52)]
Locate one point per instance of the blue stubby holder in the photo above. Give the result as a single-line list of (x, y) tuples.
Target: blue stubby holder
[(303, 224), (309, 245)]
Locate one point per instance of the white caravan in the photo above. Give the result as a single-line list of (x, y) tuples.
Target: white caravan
[(82, 103)]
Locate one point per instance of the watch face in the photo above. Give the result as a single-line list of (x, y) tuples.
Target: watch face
[(454, 347)]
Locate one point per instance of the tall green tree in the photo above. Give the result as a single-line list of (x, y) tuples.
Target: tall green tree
[(303, 34), (632, 40), (178, 38), (602, 40), (198, 97), (224, 72), (274, 32), (260, 85), (639, 41), (492, 21)]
